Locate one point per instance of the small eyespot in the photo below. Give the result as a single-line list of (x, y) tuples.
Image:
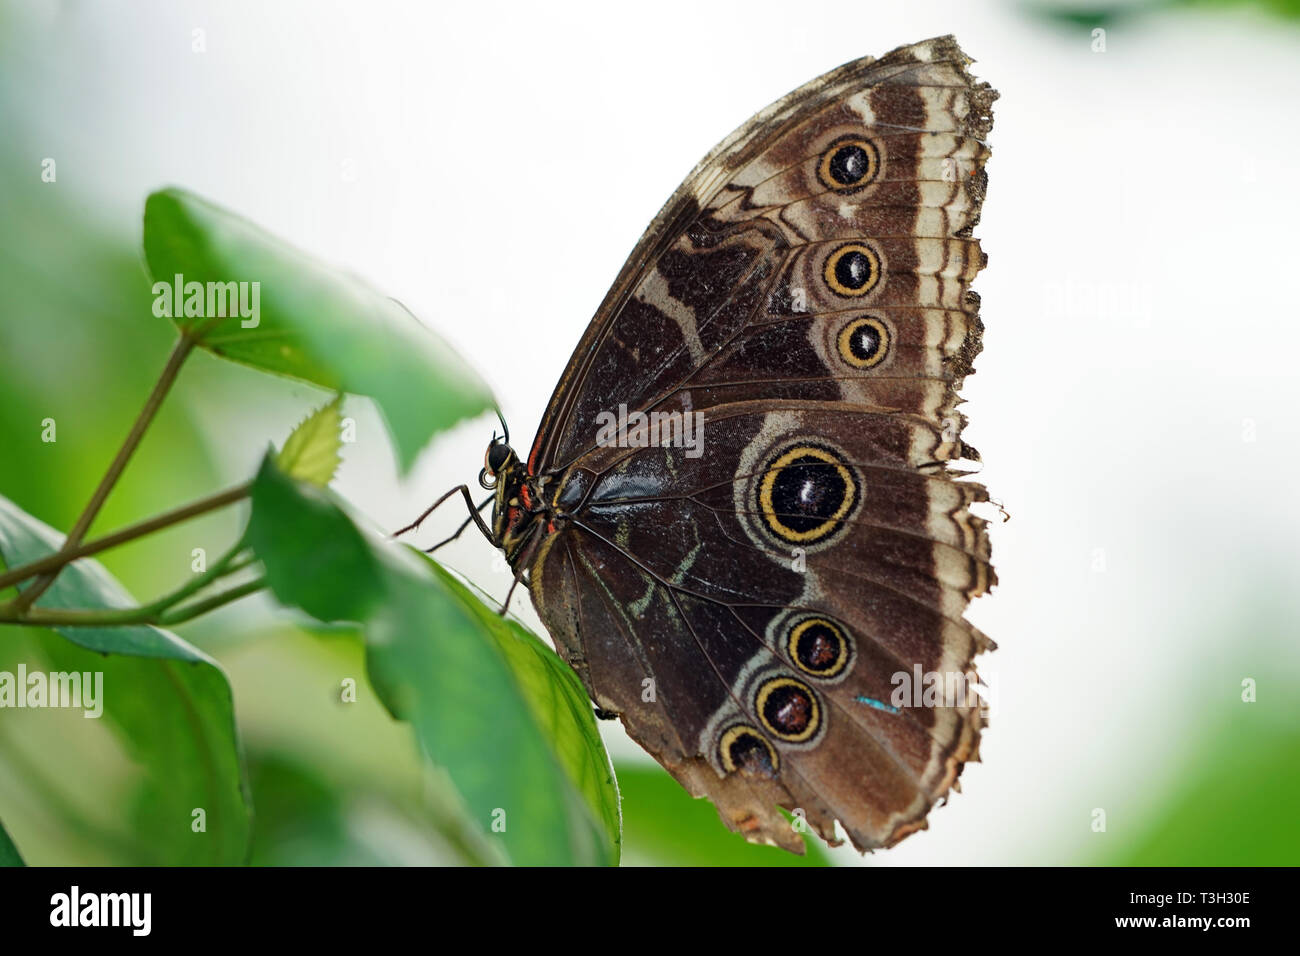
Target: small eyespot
[(852, 270), (743, 748), (848, 165), (788, 709), (818, 647), (864, 342)]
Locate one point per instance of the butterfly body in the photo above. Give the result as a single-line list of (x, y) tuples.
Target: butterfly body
[(737, 520), (517, 503)]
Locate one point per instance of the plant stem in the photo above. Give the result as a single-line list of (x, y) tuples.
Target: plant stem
[(114, 617), (58, 559), (147, 613), (238, 565), (184, 345), (181, 615), (60, 617), (219, 569)]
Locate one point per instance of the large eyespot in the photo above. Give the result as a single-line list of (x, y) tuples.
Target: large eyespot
[(852, 270), (805, 493), (864, 342), (742, 747), (819, 647), (848, 165), (788, 709)]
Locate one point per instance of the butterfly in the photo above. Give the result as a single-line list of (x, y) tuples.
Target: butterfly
[(738, 520)]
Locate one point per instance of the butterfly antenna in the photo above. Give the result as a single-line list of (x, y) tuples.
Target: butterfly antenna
[(505, 429)]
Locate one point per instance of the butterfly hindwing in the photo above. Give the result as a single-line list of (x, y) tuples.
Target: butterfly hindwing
[(707, 578)]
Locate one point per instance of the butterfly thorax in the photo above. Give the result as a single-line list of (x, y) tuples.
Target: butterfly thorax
[(518, 504)]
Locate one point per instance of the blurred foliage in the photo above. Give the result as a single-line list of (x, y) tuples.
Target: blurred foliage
[(1233, 806), (316, 323), (139, 780), (519, 741), (79, 346), (1232, 793), (169, 703), (1084, 13), (8, 852), (339, 781), (306, 818), (665, 825), (302, 818), (509, 726)]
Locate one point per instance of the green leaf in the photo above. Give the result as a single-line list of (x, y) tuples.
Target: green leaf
[(315, 557), (1115, 13), (390, 803), (9, 855), (1233, 802), (665, 825), (311, 453), (313, 322), (168, 701), (433, 666), (560, 705), (453, 670)]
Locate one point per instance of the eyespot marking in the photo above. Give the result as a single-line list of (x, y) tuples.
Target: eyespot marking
[(852, 270), (819, 647), (743, 748), (805, 493), (864, 342), (788, 709), (848, 165)]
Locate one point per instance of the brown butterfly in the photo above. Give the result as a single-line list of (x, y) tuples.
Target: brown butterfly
[(737, 520)]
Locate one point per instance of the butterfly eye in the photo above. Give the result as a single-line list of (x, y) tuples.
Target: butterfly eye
[(498, 453), (788, 709), (848, 165), (852, 270), (744, 748), (864, 342)]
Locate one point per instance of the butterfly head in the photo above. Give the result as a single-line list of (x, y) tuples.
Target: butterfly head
[(499, 459), (516, 502)]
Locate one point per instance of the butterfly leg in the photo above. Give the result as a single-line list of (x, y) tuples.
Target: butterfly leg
[(473, 517)]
